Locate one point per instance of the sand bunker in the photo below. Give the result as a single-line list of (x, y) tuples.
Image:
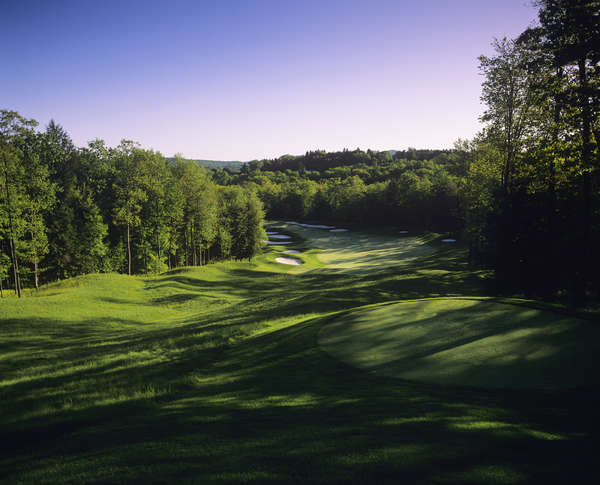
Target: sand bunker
[(399, 232), (280, 236), (291, 251), (279, 242), (338, 230), (317, 226), (449, 240), (310, 226), (293, 261)]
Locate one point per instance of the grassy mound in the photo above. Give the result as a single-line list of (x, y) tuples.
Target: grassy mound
[(469, 343)]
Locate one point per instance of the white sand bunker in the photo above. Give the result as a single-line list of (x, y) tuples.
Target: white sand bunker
[(310, 226), (399, 232), (316, 226), (279, 242), (293, 261), (338, 230), (449, 240), (280, 236), (291, 251)]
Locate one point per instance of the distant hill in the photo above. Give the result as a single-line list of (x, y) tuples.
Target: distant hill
[(234, 166)]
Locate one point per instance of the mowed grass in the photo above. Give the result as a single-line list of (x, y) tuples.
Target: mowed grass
[(215, 375), (358, 251), (465, 342)]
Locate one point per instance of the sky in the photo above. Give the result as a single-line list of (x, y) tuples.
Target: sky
[(244, 80)]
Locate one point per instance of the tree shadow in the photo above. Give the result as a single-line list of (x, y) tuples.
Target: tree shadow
[(275, 408)]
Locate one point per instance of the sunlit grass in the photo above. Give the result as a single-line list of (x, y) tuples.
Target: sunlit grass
[(215, 375)]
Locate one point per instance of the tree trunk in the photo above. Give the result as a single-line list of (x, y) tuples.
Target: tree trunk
[(158, 252), (187, 258), (1, 289), (509, 126), (581, 273), (193, 242), (128, 250), (551, 280), (15, 265), (35, 264), (170, 249), (36, 273), (13, 252)]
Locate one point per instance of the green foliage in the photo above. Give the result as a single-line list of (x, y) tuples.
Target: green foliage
[(226, 167), (367, 187), (66, 211), (531, 196)]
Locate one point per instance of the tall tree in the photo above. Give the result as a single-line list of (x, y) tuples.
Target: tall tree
[(508, 96), (572, 34), (15, 131), (128, 190), (40, 201)]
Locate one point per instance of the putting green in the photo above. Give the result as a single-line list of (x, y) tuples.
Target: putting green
[(468, 343)]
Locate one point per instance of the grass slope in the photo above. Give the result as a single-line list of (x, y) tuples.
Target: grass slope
[(215, 375)]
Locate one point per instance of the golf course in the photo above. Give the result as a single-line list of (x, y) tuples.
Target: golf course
[(335, 356)]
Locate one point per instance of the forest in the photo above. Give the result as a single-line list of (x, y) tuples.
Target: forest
[(67, 211), (523, 194), (415, 188)]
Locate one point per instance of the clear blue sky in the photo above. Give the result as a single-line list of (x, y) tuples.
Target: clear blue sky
[(239, 80)]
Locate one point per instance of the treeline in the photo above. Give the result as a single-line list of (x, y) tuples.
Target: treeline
[(320, 161), (361, 186), (533, 193), (66, 211), (525, 192)]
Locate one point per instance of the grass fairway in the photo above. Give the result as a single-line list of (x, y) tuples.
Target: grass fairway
[(356, 251), (468, 343), (215, 375)]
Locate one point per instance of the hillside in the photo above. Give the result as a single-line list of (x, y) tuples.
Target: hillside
[(217, 374)]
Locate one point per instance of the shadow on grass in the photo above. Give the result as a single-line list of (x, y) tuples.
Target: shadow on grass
[(469, 343), (207, 401), (275, 408)]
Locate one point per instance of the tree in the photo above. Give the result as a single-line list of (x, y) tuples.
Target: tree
[(15, 132), (175, 203), (242, 215), (40, 200), (128, 190), (571, 33), (508, 96), (154, 177)]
